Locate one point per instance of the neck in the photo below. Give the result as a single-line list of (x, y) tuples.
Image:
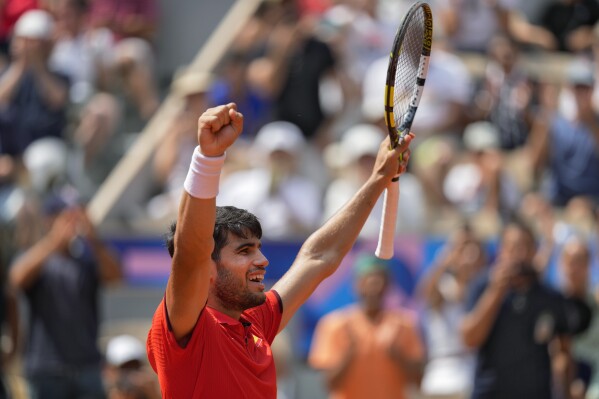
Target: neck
[(372, 314), (217, 305)]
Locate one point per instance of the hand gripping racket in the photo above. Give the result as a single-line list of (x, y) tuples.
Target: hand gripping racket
[(406, 74)]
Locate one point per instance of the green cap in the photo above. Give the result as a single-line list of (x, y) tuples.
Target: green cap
[(369, 263)]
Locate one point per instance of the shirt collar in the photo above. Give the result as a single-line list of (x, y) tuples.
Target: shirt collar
[(223, 318)]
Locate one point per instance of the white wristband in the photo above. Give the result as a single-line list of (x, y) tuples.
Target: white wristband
[(203, 175)]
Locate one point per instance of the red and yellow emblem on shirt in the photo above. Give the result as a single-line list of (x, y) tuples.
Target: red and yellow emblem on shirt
[(257, 341)]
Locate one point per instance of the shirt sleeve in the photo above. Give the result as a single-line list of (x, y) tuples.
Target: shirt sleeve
[(172, 362), (267, 317)]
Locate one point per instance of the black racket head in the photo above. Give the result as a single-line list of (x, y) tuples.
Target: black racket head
[(407, 70)]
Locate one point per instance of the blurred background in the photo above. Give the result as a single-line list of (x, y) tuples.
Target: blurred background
[(99, 102)]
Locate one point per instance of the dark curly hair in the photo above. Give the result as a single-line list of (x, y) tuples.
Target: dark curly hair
[(229, 219)]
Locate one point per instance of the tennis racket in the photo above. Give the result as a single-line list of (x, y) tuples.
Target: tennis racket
[(406, 75)]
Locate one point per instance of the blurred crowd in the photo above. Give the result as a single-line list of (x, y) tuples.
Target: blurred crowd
[(507, 128)]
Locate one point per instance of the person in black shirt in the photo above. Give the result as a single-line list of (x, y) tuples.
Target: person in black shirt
[(60, 276), (512, 319)]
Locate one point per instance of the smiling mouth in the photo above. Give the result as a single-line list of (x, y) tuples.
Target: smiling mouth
[(257, 279)]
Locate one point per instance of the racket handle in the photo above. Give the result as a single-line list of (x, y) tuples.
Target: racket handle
[(384, 249)]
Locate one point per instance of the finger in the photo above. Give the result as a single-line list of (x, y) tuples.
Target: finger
[(223, 116), (209, 122), (232, 106), (221, 112), (404, 141), (236, 121)]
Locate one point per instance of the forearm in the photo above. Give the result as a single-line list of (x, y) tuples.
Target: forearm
[(477, 325), (27, 268), (428, 289), (9, 83), (335, 238), (526, 32)]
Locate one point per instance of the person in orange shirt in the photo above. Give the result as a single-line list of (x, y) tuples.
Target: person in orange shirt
[(366, 350), (211, 334)]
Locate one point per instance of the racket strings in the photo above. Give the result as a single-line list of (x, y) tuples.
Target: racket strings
[(408, 61)]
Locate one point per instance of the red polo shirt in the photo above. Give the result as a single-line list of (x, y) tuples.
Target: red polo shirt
[(224, 358)]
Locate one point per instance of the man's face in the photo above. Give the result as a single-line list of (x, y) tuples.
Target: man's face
[(575, 264), (517, 247), (240, 274), (583, 94), (371, 288)]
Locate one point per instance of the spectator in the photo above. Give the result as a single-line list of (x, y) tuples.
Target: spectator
[(287, 203), (571, 23), (568, 149), (10, 12), (96, 146), (295, 63), (60, 276), (478, 184), (512, 317), (506, 93), (574, 267), (74, 53), (236, 85), (33, 99), (470, 24), (126, 375), (127, 27), (366, 350), (450, 365)]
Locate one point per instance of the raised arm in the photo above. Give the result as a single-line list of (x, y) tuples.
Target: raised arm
[(192, 265), (109, 265), (26, 269), (478, 323), (324, 250)]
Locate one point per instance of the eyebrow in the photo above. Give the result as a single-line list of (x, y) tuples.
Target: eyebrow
[(248, 245)]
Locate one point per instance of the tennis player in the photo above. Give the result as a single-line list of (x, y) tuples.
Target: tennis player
[(211, 334)]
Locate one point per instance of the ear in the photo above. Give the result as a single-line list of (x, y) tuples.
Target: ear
[(213, 272)]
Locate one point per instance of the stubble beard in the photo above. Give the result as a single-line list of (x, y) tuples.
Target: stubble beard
[(234, 294)]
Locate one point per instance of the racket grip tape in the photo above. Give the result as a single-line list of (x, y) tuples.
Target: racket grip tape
[(384, 248)]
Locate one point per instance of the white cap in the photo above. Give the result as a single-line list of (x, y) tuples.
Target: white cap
[(188, 82), (280, 136), (373, 90), (462, 183), (358, 141), (46, 160), (481, 136), (580, 72), (124, 348), (35, 24)]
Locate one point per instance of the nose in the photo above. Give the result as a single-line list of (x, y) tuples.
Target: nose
[(261, 260)]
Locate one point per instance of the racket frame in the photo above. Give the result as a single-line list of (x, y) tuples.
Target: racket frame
[(384, 248)]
